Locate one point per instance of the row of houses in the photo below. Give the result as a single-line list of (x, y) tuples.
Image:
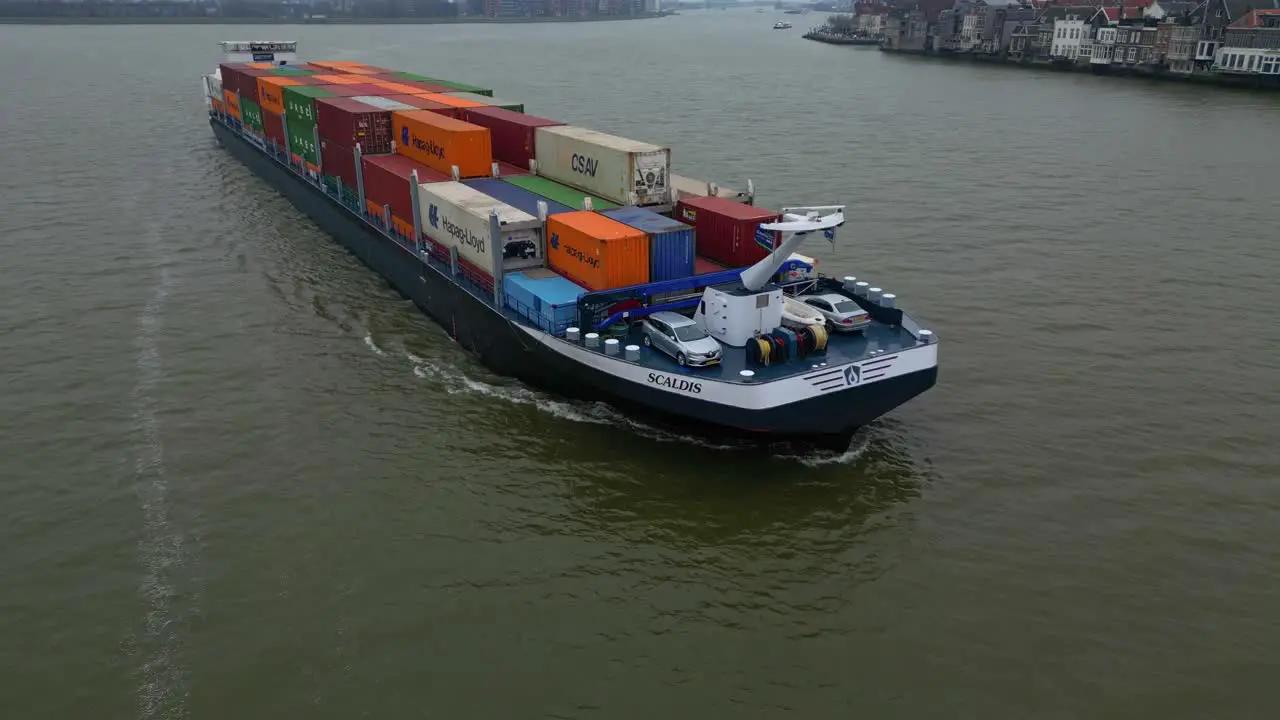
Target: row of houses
[(1229, 37)]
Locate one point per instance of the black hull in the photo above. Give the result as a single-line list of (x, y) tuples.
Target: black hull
[(501, 345)]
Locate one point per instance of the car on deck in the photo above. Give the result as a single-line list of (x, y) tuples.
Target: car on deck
[(842, 314), (681, 338)]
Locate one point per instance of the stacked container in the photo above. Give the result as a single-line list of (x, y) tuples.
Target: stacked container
[(387, 181), (727, 230), (251, 115), (516, 197), (488, 101), (420, 102), (453, 101), (544, 298), (271, 93), (671, 244), (443, 143), (563, 194), (511, 133), (458, 216), (349, 122), (625, 171), (457, 86), (597, 252)]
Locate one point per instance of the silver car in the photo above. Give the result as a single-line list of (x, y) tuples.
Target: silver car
[(842, 313), (681, 338)]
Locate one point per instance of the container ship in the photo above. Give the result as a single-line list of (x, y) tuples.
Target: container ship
[(573, 259)]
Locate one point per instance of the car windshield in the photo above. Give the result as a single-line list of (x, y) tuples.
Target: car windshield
[(847, 306), (689, 333)]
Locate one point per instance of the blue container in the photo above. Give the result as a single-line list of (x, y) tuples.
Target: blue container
[(516, 197), (544, 298), (670, 241)]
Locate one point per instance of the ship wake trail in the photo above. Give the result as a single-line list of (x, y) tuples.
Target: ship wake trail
[(162, 684)]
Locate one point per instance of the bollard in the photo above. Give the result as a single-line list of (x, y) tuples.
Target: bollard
[(572, 335), (593, 340), (633, 352), (611, 346)]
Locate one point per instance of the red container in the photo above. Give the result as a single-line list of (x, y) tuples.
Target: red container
[(425, 104), (386, 181), (350, 122), (511, 133), (353, 90), (726, 230), (239, 77), (339, 161), (273, 127), (507, 169)]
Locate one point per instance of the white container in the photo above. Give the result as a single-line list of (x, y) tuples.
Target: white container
[(625, 171), (455, 215), (213, 85), (382, 103)]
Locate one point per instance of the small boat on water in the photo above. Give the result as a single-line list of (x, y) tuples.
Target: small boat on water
[(782, 25)]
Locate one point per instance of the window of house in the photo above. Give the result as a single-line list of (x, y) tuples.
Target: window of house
[(1133, 54), (1266, 66), (1252, 60)]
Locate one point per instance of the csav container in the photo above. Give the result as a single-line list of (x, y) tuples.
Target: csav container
[(271, 92), (453, 100), (302, 139), (443, 143), (251, 115), (511, 133), (597, 252), (624, 171), (299, 101), (339, 161), (671, 244), (488, 101), (727, 229), (562, 194), (387, 181), (349, 122), (516, 197), (543, 297), (273, 127), (455, 215), (462, 87)]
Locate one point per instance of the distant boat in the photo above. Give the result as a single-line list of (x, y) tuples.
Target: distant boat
[(781, 25)]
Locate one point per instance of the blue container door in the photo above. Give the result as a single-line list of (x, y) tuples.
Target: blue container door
[(671, 255)]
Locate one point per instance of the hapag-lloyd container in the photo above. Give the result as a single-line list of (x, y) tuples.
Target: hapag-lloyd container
[(462, 87), (455, 215), (339, 161), (349, 122), (597, 252), (271, 92), (387, 182), (510, 133), (299, 101), (671, 245), (625, 171), (516, 197), (488, 101), (726, 229), (443, 143), (562, 194)]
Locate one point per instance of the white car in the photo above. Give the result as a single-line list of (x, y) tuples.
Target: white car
[(681, 338), (842, 314)]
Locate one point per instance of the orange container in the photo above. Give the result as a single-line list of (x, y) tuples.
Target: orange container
[(260, 66), (218, 105), (450, 100), (233, 103), (336, 79), (362, 70), (397, 88), (334, 65), (399, 224), (597, 252), (440, 142), (271, 92)]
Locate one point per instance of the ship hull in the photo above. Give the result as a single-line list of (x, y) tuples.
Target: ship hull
[(509, 349)]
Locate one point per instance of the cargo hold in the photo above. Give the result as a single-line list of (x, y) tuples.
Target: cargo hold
[(510, 133), (349, 122), (488, 101), (726, 230), (443, 143), (625, 171), (597, 252), (562, 194), (671, 244), (457, 216), (543, 297), (516, 197)]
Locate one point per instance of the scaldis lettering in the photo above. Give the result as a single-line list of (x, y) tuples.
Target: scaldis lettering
[(675, 383)]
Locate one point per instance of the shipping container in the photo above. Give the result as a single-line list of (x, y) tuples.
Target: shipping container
[(442, 143), (302, 139), (420, 102), (339, 161), (506, 169), (271, 92), (287, 71), (726, 230), (453, 101), (562, 194), (455, 215), (350, 122), (383, 103), (392, 88), (510, 133), (546, 299), (516, 197), (357, 90), (233, 103), (273, 127), (419, 87), (387, 181), (463, 87), (251, 115), (596, 252), (489, 101), (339, 79), (299, 101), (624, 171), (671, 245), (240, 78)]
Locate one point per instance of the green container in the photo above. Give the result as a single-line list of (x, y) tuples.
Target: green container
[(490, 101), (251, 115), (302, 139), (563, 194), (463, 87), (291, 72), (300, 101)]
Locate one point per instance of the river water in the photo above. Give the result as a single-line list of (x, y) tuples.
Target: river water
[(243, 478)]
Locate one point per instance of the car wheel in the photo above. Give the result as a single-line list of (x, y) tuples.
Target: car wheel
[(647, 341), (680, 359)]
